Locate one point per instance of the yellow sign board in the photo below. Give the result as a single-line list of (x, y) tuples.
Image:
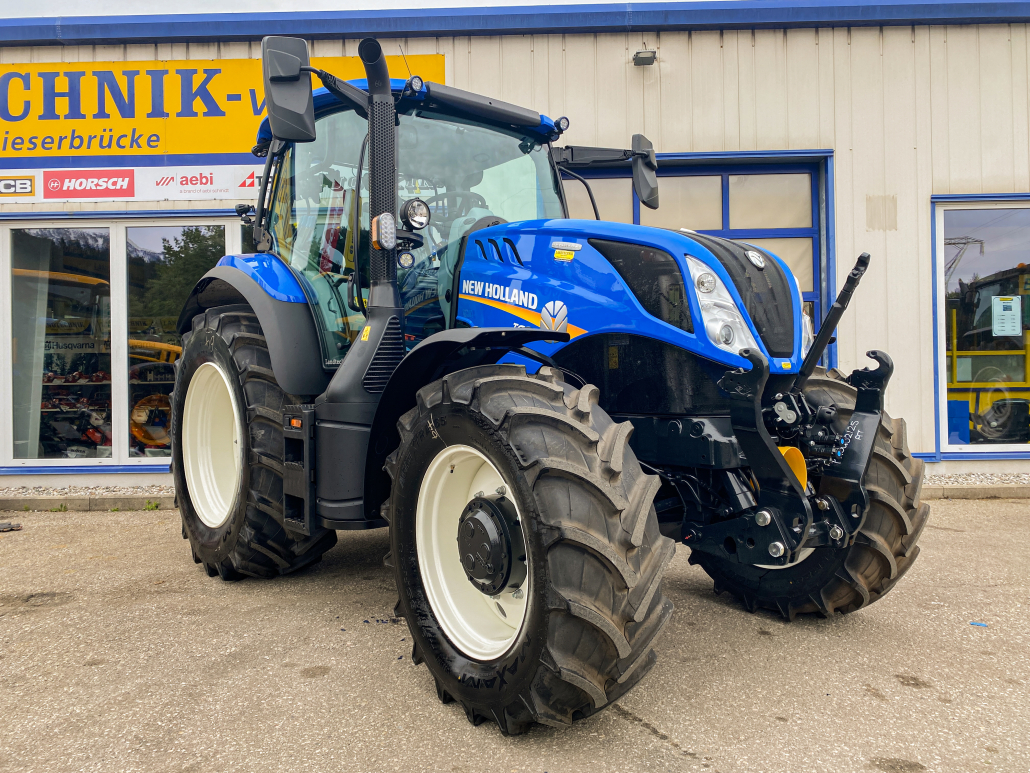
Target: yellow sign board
[(186, 107)]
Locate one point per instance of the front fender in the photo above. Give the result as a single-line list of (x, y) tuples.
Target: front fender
[(288, 326), (435, 357)]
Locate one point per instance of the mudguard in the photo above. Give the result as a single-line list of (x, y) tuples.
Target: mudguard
[(286, 320), (435, 357)]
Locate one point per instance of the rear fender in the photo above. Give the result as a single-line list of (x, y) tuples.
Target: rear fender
[(445, 352), (288, 323)]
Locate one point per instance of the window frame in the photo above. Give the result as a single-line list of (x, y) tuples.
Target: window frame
[(116, 223), (945, 450)]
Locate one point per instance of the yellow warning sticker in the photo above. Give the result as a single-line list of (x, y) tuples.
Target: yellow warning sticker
[(564, 255), (365, 332)]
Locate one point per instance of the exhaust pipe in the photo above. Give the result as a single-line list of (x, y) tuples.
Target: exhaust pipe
[(382, 167), (379, 347)]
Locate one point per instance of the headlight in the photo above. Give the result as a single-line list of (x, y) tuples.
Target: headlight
[(724, 323), (415, 213)]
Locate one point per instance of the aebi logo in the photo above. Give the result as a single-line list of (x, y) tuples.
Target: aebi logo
[(89, 184), (249, 182), (165, 181)]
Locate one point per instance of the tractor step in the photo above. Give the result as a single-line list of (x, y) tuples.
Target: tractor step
[(299, 467)]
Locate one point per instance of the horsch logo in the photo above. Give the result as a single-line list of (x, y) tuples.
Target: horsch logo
[(89, 184)]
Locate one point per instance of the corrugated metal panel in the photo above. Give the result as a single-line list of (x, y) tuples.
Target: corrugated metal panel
[(909, 112)]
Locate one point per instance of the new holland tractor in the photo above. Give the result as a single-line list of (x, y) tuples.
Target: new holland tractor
[(539, 408)]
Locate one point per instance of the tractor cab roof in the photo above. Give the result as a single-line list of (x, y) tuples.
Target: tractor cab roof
[(445, 99)]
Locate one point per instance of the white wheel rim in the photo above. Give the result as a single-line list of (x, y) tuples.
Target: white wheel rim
[(211, 448), (802, 555), (482, 627)]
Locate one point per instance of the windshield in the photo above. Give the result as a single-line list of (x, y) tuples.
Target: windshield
[(464, 171)]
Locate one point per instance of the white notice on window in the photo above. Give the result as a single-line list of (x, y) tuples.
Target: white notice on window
[(1006, 315)]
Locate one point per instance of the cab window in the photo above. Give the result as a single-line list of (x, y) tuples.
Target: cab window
[(464, 171), (319, 224)]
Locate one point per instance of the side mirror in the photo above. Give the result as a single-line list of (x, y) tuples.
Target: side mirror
[(290, 104), (645, 178)]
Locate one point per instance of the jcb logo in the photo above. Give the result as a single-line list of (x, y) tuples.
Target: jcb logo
[(17, 186)]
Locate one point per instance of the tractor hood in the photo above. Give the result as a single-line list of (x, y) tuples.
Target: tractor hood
[(620, 278)]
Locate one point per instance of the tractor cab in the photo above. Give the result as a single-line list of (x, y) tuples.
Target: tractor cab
[(468, 172)]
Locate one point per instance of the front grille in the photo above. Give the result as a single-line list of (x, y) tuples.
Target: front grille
[(654, 278), (387, 357), (766, 293)]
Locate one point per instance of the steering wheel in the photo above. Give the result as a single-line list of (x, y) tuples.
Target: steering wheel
[(469, 200)]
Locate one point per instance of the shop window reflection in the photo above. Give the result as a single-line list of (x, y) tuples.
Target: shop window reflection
[(164, 264), (987, 283), (61, 347)]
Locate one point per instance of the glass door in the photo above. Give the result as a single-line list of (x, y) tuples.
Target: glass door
[(60, 317), (88, 340)]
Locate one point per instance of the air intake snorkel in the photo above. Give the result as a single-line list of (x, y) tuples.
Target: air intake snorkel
[(382, 166), (379, 347)]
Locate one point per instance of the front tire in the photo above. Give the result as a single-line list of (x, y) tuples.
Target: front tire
[(227, 452), (592, 602), (829, 580)]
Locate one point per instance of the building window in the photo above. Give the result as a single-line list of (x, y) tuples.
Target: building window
[(983, 320), (88, 346), (613, 195), (164, 264), (61, 343)]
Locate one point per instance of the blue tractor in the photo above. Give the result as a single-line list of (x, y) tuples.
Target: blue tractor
[(538, 407)]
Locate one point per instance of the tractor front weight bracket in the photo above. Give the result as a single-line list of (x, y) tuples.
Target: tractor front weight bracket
[(850, 463)]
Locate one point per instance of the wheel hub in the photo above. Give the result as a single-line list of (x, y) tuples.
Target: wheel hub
[(491, 545)]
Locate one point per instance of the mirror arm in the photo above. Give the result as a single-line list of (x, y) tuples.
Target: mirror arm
[(590, 193), (345, 92), (262, 238)]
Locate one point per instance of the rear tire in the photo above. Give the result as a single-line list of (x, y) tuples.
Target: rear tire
[(232, 513), (851, 578), (595, 556)]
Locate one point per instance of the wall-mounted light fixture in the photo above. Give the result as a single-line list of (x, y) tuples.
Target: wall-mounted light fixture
[(645, 58)]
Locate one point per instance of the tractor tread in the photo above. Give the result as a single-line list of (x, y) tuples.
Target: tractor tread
[(264, 547), (606, 604)]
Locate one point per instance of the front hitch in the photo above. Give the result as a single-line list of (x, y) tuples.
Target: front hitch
[(774, 531), (849, 464)]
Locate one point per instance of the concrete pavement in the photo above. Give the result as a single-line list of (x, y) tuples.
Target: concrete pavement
[(118, 653)]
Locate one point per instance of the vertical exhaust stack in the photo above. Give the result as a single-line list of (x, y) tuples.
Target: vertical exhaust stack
[(378, 350), (382, 167)]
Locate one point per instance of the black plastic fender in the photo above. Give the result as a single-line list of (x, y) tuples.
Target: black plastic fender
[(435, 357), (289, 328)]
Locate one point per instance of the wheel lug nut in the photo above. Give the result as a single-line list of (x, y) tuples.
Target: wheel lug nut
[(517, 593), (776, 549), (763, 517), (502, 490)]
